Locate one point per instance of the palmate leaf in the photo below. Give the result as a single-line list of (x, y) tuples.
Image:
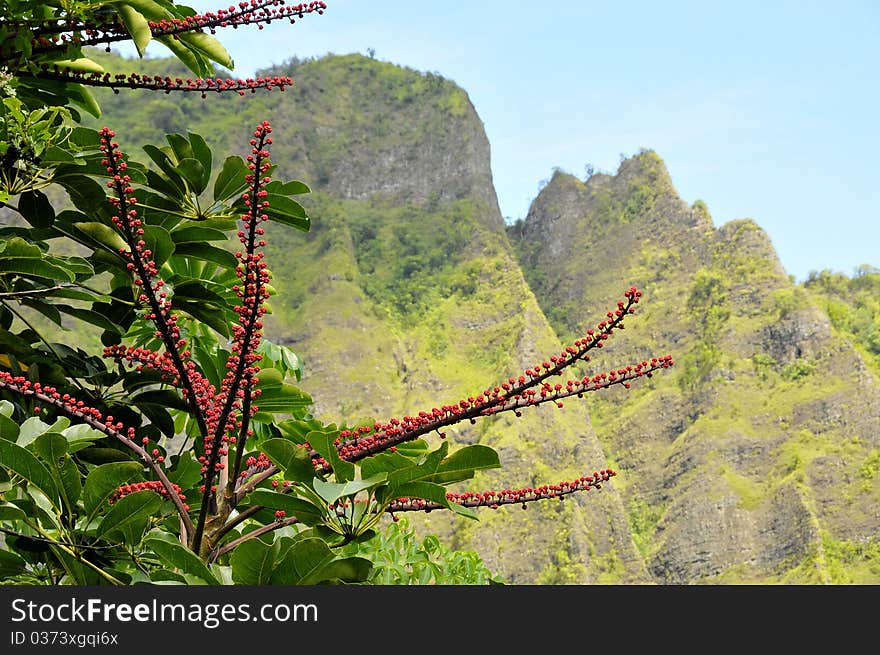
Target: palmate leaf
[(253, 562), (306, 512), (310, 561), (230, 181), (93, 317), (322, 442), (197, 234), (333, 491), (191, 170), (104, 479), (209, 47), (169, 549), (22, 462), (137, 25), (427, 491), (294, 460), (35, 208), (52, 449), (194, 61), (205, 252), (129, 509)]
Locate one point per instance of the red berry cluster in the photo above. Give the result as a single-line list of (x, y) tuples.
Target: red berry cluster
[(151, 485), (164, 83), (255, 11), (57, 34), (79, 410), (494, 499), (256, 464), (173, 363), (531, 388), (238, 389)]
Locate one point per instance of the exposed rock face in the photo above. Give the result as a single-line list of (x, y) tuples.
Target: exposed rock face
[(752, 463)]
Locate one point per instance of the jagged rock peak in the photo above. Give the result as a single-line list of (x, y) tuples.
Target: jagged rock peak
[(376, 129)]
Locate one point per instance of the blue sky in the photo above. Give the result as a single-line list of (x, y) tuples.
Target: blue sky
[(764, 110)]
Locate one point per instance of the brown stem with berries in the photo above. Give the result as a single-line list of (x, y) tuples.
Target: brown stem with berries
[(146, 270), (254, 12), (240, 381), (77, 410)]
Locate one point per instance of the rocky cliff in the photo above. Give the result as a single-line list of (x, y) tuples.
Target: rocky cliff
[(757, 462)]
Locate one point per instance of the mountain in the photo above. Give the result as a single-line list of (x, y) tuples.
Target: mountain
[(757, 461), (754, 460)]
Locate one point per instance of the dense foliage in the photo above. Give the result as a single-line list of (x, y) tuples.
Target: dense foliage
[(185, 452)]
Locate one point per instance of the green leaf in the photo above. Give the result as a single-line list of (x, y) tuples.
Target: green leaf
[(180, 146), (207, 314), (85, 137), (159, 241), (350, 570), (150, 9), (11, 565), (332, 491), (55, 155), (22, 462), (162, 398), (34, 267), (197, 234), (186, 472), (8, 428), (103, 234), (292, 188), (82, 97), (306, 512), (137, 25), (207, 253), (303, 561), (202, 152), (193, 172), (130, 508), (46, 309), (429, 491), (89, 316), (9, 512), (253, 562), (70, 480), (103, 480), (294, 460), (322, 442), (36, 209), (209, 47), (51, 447), (282, 209), (78, 572), (461, 464), (231, 179), (85, 193), (284, 398), (195, 62), (170, 550), (164, 162), (82, 65)]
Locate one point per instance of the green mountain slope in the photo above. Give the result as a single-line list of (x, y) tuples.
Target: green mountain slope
[(757, 463), (406, 294)]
